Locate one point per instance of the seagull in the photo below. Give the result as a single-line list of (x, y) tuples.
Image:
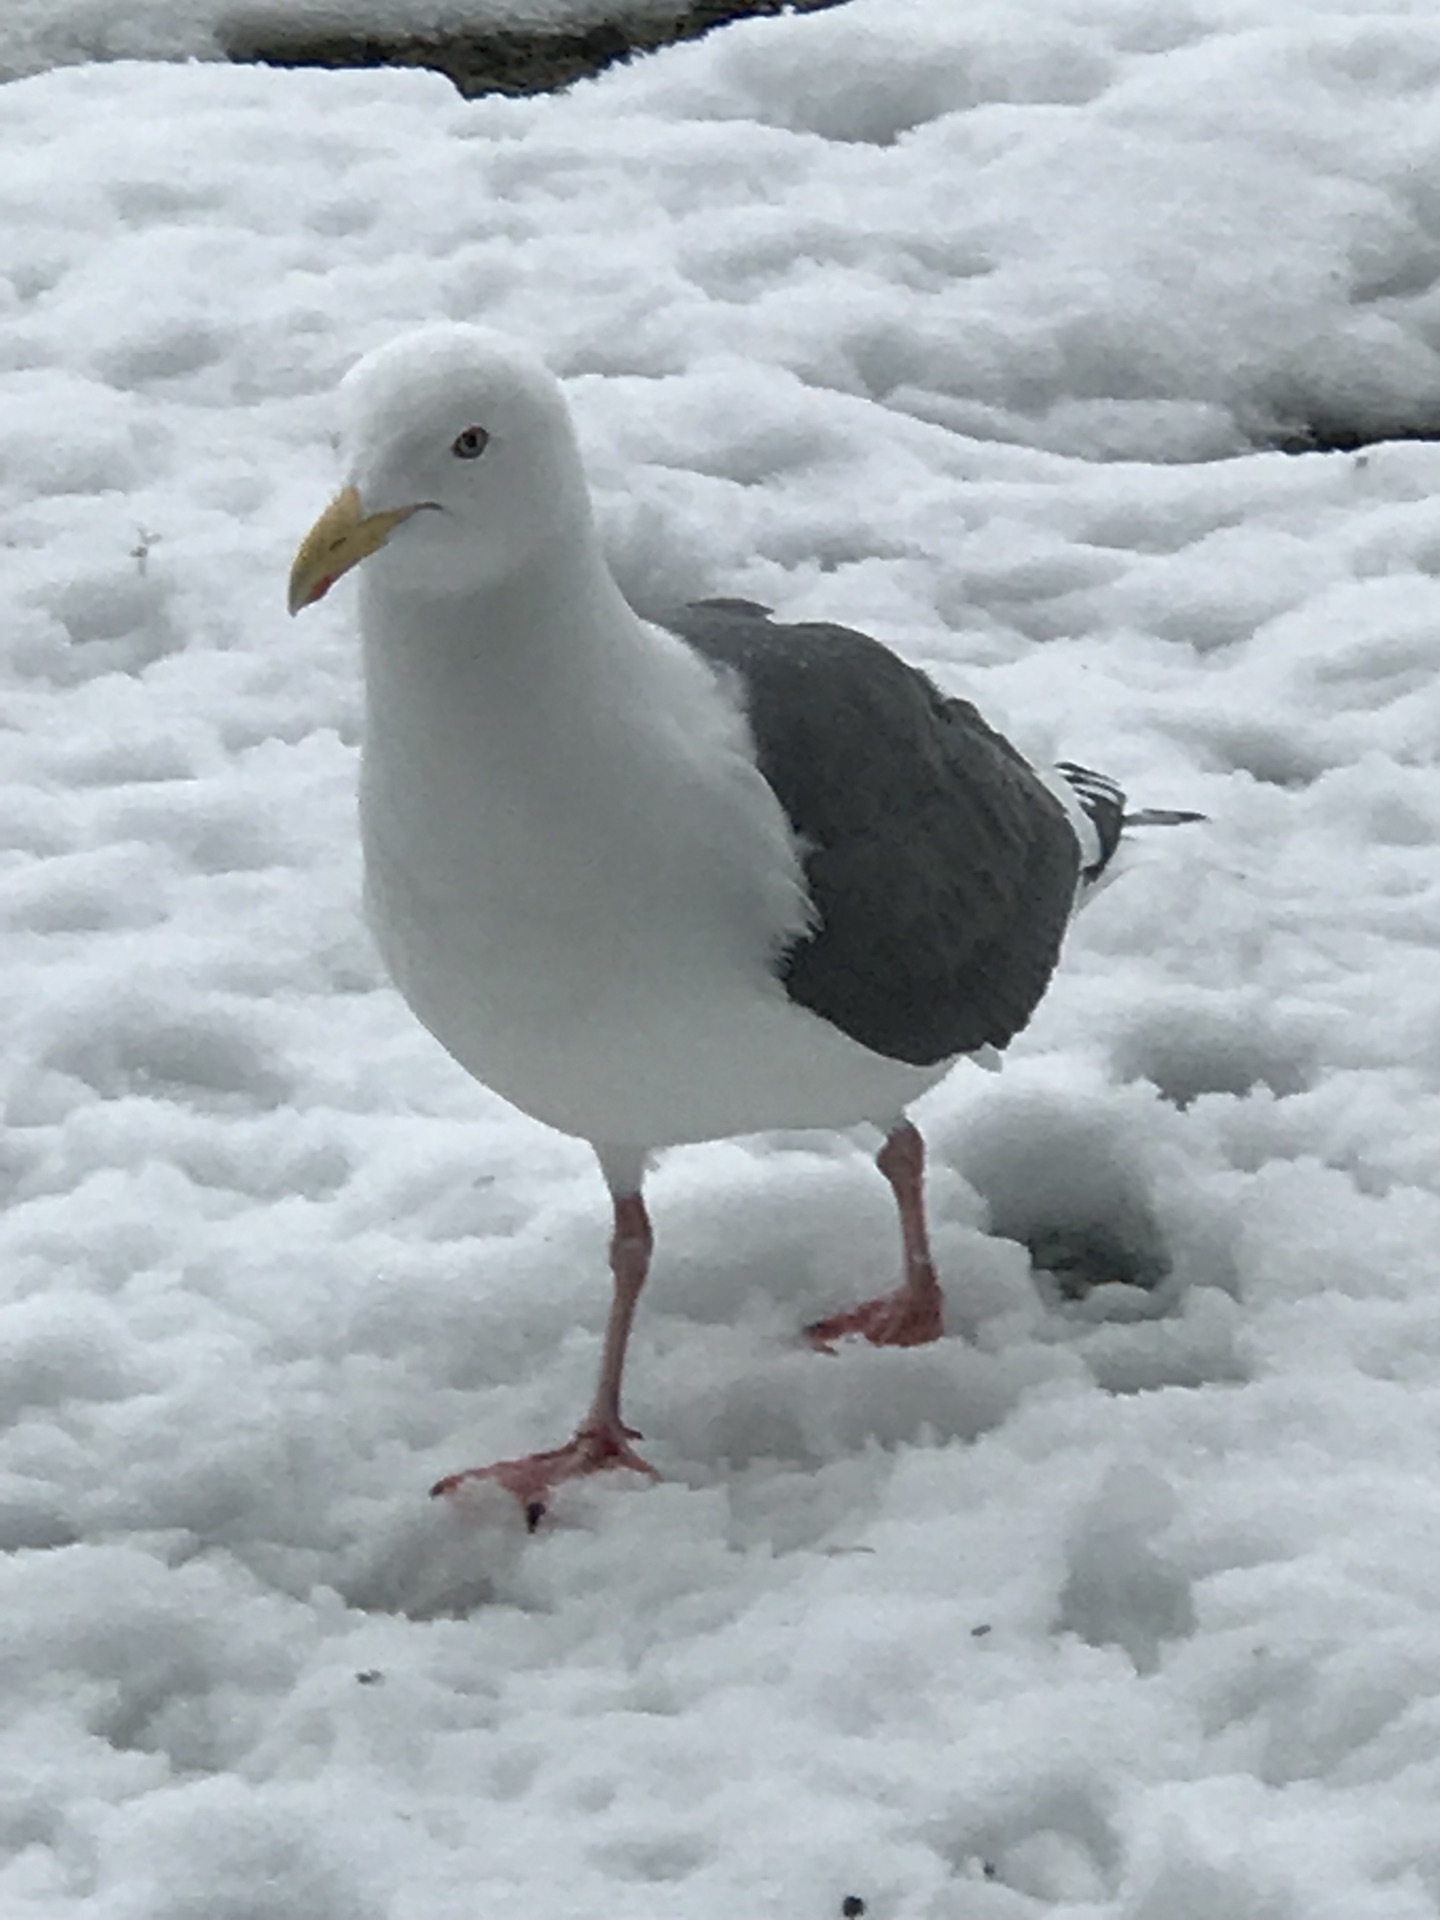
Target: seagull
[(663, 884)]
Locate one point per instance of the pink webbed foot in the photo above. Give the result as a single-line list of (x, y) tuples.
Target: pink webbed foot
[(908, 1317), (596, 1448), (914, 1314)]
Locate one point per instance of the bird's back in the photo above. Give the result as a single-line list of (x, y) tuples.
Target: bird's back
[(941, 869)]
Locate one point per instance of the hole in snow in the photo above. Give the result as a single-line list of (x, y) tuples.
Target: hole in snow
[(1079, 1258), (1054, 1841), (1063, 1181)]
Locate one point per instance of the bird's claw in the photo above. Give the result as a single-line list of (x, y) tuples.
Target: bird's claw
[(596, 1448), (909, 1317)]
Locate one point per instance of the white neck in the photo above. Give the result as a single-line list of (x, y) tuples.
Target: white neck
[(556, 625)]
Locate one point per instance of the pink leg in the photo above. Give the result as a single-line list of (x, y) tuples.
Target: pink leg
[(602, 1438), (915, 1312)]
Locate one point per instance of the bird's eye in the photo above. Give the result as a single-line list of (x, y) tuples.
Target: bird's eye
[(470, 444)]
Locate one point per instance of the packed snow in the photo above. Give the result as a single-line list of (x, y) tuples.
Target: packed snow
[(976, 328)]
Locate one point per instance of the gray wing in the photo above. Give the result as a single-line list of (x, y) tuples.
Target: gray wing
[(941, 870)]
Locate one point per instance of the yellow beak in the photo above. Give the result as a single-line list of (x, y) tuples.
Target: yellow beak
[(341, 538)]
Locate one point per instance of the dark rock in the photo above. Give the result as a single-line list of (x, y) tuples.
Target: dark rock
[(512, 59)]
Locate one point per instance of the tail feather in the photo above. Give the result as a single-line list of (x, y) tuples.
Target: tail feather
[(1103, 802), (1163, 817)]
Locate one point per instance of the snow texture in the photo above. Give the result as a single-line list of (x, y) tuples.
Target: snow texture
[(965, 325)]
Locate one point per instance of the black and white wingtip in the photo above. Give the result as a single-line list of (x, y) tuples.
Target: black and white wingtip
[(1103, 802)]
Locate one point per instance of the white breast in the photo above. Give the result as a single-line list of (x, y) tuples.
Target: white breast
[(580, 881)]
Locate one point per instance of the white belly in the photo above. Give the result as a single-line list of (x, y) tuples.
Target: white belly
[(654, 1021), (657, 1051)]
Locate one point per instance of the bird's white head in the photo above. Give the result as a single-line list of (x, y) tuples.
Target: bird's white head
[(462, 467)]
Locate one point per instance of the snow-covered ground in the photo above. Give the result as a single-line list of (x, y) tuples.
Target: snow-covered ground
[(961, 324)]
